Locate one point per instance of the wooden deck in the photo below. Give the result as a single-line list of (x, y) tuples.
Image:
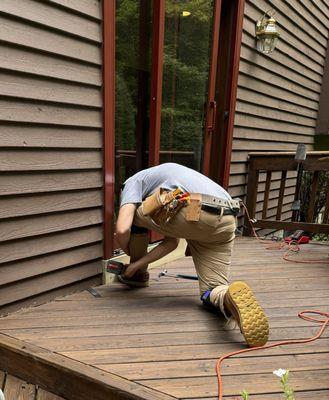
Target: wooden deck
[(159, 343)]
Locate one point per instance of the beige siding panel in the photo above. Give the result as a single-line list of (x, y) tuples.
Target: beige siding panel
[(41, 225), (239, 190), (16, 32), (41, 113), (274, 193), (277, 80), (238, 156), (304, 12), (294, 23), (286, 213), (27, 136), (245, 132), (24, 183), (35, 246), (274, 114), (42, 64), (258, 99), (25, 87), (13, 206), (287, 59), (43, 283), (75, 287), (278, 94), (272, 204), (92, 8), (12, 272), (290, 37), (52, 17), (262, 86), (241, 179), (46, 160), (238, 168), (324, 9), (51, 178), (269, 124)]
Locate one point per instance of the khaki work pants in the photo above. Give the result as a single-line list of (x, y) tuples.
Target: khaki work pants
[(210, 240)]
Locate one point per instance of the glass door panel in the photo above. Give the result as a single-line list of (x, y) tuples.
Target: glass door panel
[(133, 44), (187, 50)]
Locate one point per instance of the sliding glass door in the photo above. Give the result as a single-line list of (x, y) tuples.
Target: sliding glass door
[(176, 65)]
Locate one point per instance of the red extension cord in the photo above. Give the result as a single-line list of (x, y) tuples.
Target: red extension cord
[(292, 247)]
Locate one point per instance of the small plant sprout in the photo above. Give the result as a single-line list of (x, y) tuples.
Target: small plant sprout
[(245, 395), (284, 375)]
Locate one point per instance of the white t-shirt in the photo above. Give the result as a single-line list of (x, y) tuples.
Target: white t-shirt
[(169, 176)]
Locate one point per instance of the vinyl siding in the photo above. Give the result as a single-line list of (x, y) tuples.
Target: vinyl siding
[(50, 149), (278, 94)]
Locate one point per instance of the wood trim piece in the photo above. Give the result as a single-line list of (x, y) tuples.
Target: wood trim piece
[(158, 23), (109, 123), (227, 148), (66, 377)]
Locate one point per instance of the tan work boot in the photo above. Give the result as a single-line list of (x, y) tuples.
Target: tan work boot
[(139, 279), (242, 304)]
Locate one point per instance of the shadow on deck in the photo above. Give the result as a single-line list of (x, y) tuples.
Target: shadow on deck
[(159, 343)]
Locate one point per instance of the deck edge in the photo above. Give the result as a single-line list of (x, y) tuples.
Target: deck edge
[(68, 378)]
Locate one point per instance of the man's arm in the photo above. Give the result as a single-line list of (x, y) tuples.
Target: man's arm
[(123, 225)]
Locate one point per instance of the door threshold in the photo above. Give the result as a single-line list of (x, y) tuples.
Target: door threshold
[(179, 252)]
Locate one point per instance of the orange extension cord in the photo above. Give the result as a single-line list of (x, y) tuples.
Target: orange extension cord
[(302, 315), (292, 247)]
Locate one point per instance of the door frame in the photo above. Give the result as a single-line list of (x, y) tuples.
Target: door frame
[(108, 74)]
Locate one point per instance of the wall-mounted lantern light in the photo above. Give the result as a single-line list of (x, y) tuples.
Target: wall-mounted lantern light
[(267, 35)]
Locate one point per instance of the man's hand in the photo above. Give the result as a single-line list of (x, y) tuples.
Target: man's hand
[(123, 225)]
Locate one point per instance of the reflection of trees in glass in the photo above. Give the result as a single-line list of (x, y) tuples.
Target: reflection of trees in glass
[(186, 67), (127, 36)]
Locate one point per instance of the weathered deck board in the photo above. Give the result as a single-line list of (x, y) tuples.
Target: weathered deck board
[(160, 337)]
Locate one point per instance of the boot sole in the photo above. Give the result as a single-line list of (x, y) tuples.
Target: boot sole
[(248, 313), (132, 283)]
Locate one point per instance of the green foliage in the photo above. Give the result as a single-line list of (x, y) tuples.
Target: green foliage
[(306, 189), (287, 391), (321, 237)]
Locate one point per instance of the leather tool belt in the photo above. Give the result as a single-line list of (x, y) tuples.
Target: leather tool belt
[(163, 205)]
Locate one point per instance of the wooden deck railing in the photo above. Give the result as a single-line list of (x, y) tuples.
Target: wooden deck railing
[(316, 162)]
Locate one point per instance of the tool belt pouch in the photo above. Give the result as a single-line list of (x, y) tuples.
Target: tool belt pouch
[(161, 206), (158, 199), (193, 209), (167, 212)]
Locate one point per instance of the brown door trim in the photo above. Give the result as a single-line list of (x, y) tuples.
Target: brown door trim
[(210, 117), (232, 92), (108, 123), (158, 23)]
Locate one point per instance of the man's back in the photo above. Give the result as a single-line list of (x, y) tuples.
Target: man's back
[(169, 176)]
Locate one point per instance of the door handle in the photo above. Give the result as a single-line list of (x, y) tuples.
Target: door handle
[(213, 107)]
